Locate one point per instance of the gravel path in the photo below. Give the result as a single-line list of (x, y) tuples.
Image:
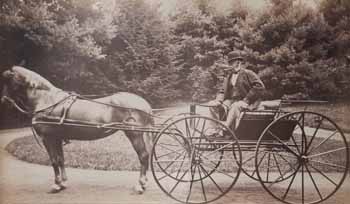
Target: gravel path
[(24, 183)]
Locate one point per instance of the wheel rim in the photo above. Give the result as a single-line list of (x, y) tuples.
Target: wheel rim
[(317, 157), (200, 174)]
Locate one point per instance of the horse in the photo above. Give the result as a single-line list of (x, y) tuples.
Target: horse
[(33, 94)]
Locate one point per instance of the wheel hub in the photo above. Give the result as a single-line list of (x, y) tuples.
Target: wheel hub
[(196, 159), (304, 159)]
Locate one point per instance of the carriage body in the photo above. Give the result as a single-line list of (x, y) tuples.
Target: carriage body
[(253, 123)]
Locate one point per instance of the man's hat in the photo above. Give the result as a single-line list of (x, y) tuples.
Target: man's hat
[(235, 55)]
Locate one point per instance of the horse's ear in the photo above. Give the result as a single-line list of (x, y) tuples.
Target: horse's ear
[(8, 74)]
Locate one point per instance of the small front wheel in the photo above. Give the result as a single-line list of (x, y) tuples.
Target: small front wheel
[(190, 168)]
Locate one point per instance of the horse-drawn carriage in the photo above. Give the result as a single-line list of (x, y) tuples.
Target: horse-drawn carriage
[(298, 157)]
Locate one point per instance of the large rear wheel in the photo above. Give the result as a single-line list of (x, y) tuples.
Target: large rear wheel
[(302, 157)]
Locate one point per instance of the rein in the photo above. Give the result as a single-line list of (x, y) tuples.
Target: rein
[(16, 105), (32, 113), (71, 94), (86, 97)]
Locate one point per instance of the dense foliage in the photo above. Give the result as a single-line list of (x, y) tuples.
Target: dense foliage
[(98, 47)]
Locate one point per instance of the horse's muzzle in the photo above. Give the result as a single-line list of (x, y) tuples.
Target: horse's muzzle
[(3, 99)]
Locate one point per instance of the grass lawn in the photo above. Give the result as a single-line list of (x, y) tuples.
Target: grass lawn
[(338, 112), (111, 153), (116, 153)]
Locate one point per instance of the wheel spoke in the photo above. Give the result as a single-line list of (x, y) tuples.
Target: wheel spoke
[(328, 164), (279, 153), (208, 175), (289, 185), (323, 141), (195, 127), (262, 158), (173, 163), (180, 168), (302, 185), (290, 165), (277, 165), (202, 129), (222, 172), (201, 179), (174, 136), (221, 148), (285, 145), (281, 176), (324, 175), (328, 152), (201, 137), (188, 130), (314, 182), (193, 172), (303, 142), (313, 135), (172, 152), (295, 143), (178, 181), (250, 158), (268, 167)]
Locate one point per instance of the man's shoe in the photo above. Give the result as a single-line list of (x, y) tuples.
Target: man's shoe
[(218, 134)]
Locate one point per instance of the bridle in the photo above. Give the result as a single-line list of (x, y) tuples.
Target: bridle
[(32, 113), (13, 102)]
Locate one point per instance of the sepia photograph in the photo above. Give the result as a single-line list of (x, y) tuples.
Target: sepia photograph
[(174, 101)]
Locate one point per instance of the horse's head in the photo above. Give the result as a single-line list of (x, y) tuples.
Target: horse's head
[(21, 84), (14, 87)]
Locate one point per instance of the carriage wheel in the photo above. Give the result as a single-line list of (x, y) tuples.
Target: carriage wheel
[(248, 166), (176, 117), (302, 157), (188, 167)]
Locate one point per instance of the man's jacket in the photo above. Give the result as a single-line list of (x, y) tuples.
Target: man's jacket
[(248, 87)]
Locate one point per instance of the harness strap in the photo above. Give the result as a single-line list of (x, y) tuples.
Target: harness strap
[(67, 105), (36, 137)]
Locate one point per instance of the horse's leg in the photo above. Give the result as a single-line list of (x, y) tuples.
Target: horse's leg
[(137, 141), (50, 145), (64, 179)]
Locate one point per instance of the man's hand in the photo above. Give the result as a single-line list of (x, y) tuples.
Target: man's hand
[(241, 104), (214, 103)]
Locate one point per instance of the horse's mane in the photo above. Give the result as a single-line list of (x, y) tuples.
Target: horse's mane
[(33, 79)]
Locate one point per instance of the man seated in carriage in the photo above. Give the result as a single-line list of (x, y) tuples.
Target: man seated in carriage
[(242, 90)]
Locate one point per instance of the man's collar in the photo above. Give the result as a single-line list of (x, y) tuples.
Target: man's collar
[(234, 71)]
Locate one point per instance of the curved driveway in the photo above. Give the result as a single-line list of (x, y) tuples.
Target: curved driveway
[(24, 183)]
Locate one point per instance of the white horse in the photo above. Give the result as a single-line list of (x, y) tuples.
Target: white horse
[(36, 95)]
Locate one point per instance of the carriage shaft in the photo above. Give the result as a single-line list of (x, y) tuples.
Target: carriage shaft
[(111, 126)]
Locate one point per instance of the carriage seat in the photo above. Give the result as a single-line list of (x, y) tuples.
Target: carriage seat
[(270, 105)]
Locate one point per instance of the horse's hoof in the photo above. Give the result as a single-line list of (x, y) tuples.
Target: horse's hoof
[(144, 187), (55, 189), (63, 185), (139, 190)]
